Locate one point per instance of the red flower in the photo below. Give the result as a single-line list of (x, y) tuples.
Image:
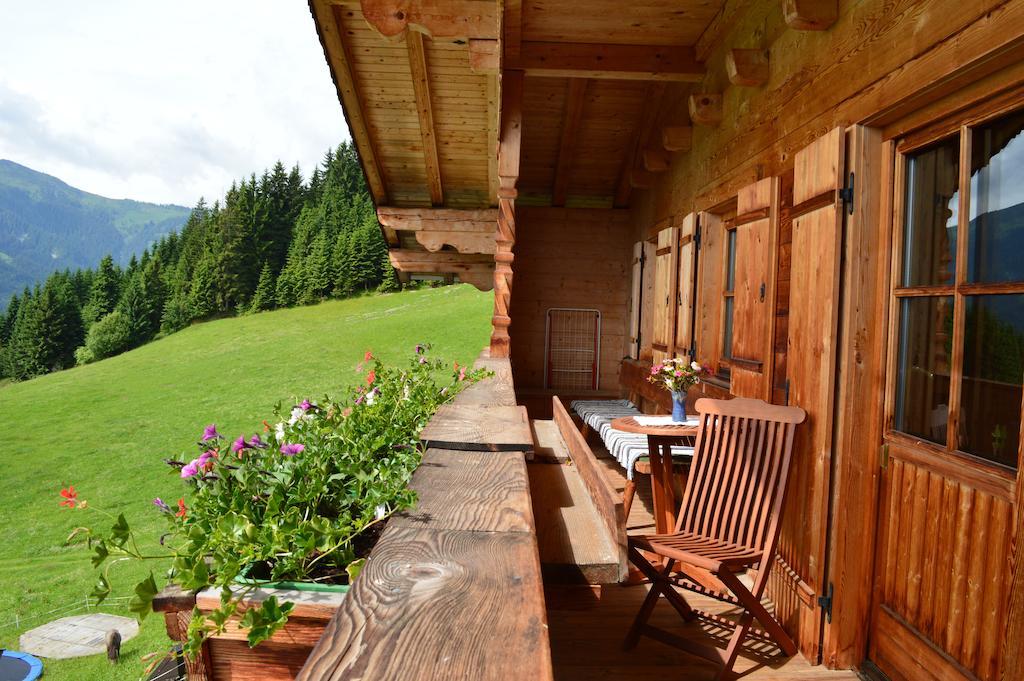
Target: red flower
[(70, 497), (371, 377), (368, 356), (181, 508)]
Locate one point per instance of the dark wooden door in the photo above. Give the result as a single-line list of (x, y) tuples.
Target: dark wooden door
[(953, 406)]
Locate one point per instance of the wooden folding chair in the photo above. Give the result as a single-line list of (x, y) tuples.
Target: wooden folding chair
[(729, 522)]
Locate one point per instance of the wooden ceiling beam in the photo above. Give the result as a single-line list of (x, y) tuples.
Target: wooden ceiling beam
[(341, 71), (706, 109), (641, 135), (677, 137), (425, 112), (435, 18), (576, 92), (747, 68), (446, 219), (476, 269), (607, 61), (512, 29), (810, 15)]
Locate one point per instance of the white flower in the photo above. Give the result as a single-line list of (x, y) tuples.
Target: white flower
[(381, 511), (695, 366), (279, 431), (406, 392), (370, 396)]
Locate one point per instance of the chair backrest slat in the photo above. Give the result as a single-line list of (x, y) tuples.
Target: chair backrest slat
[(739, 473)]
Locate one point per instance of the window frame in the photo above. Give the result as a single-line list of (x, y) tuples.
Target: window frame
[(960, 290)]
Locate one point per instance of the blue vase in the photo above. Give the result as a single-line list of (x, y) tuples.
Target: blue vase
[(679, 407)]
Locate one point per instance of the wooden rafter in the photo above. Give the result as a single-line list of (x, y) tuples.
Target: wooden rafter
[(576, 92), (344, 81), (621, 62), (513, 28), (425, 112), (435, 18), (468, 231), (641, 135)]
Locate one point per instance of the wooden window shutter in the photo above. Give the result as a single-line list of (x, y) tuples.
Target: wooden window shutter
[(756, 236), (686, 280), (647, 300), (634, 300), (811, 363), (664, 293), (709, 290)]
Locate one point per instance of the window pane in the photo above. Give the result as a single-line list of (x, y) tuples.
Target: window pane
[(993, 369), (727, 340), (730, 269), (922, 370), (930, 215), (997, 202)]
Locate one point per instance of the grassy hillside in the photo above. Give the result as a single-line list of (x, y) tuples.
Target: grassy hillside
[(47, 225), (105, 428)]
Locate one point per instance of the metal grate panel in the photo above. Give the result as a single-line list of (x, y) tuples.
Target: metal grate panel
[(573, 349)]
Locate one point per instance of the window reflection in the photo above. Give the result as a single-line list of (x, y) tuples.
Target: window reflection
[(930, 208), (997, 202), (922, 388), (989, 424)]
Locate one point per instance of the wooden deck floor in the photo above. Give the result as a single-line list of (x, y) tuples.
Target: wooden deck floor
[(587, 632)]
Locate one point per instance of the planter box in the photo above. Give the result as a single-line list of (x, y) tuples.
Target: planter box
[(229, 656)]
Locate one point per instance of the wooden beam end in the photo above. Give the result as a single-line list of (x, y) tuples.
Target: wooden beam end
[(747, 68), (810, 15), (706, 109)]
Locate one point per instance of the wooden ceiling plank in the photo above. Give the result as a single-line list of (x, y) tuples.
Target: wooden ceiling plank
[(425, 111), (641, 134), (484, 56), (608, 61), (810, 15), (345, 83), (574, 99), (747, 68), (435, 18)]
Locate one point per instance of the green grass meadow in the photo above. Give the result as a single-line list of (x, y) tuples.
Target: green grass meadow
[(106, 427)]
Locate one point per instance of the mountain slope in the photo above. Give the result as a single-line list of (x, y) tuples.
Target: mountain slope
[(106, 427), (47, 225)]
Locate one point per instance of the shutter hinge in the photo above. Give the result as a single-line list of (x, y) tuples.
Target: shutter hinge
[(679, 299), (883, 457), (786, 388), (846, 194), (825, 602), (696, 238)]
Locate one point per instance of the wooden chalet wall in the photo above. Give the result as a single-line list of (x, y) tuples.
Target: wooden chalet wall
[(892, 67), (570, 257)]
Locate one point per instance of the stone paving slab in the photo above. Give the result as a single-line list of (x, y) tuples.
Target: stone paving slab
[(76, 636)]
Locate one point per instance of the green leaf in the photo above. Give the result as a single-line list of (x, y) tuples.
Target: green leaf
[(101, 553), (101, 590), (354, 568), (142, 602), (120, 532)]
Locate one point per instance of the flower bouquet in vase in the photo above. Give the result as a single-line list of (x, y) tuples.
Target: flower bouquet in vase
[(677, 375)]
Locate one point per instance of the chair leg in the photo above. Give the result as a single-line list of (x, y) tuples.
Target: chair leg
[(659, 585), (627, 498), (751, 602)]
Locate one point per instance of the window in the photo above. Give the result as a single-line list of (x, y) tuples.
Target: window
[(960, 292), (573, 351)]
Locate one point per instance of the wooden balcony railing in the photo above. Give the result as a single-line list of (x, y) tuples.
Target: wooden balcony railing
[(453, 588)]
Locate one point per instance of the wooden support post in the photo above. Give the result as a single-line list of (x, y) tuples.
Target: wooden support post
[(810, 15), (505, 237), (706, 109), (677, 137), (747, 68)]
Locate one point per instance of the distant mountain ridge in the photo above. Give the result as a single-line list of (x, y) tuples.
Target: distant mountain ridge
[(47, 225)]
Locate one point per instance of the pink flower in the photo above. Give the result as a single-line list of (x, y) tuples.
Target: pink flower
[(305, 405), (292, 449), (368, 356), (70, 497), (462, 374), (371, 377), (210, 433), (239, 444), (190, 469)]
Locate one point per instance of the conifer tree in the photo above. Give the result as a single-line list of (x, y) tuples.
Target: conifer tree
[(263, 299), (202, 296), (389, 278), (104, 292)]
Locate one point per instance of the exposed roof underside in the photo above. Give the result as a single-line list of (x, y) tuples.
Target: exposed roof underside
[(420, 82)]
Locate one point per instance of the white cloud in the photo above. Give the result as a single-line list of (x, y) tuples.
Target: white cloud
[(163, 102)]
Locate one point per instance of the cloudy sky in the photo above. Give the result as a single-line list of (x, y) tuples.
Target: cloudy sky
[(163, 102)]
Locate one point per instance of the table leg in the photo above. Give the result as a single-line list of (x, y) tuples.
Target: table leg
[(661, 526), (667, 482)]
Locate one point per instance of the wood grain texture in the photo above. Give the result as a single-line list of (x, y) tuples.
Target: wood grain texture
[(479, 428), (425, 112), (461, 490), (418, 611), (597, 60)]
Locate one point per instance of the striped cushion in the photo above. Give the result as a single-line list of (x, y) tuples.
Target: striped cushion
[(626, 448)]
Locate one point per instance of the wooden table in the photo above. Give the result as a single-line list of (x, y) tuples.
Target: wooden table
[(660, 440)]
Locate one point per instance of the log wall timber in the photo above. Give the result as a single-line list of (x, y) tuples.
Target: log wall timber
[(453, 588), (570, 257), (505, 236), (895, 65)]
